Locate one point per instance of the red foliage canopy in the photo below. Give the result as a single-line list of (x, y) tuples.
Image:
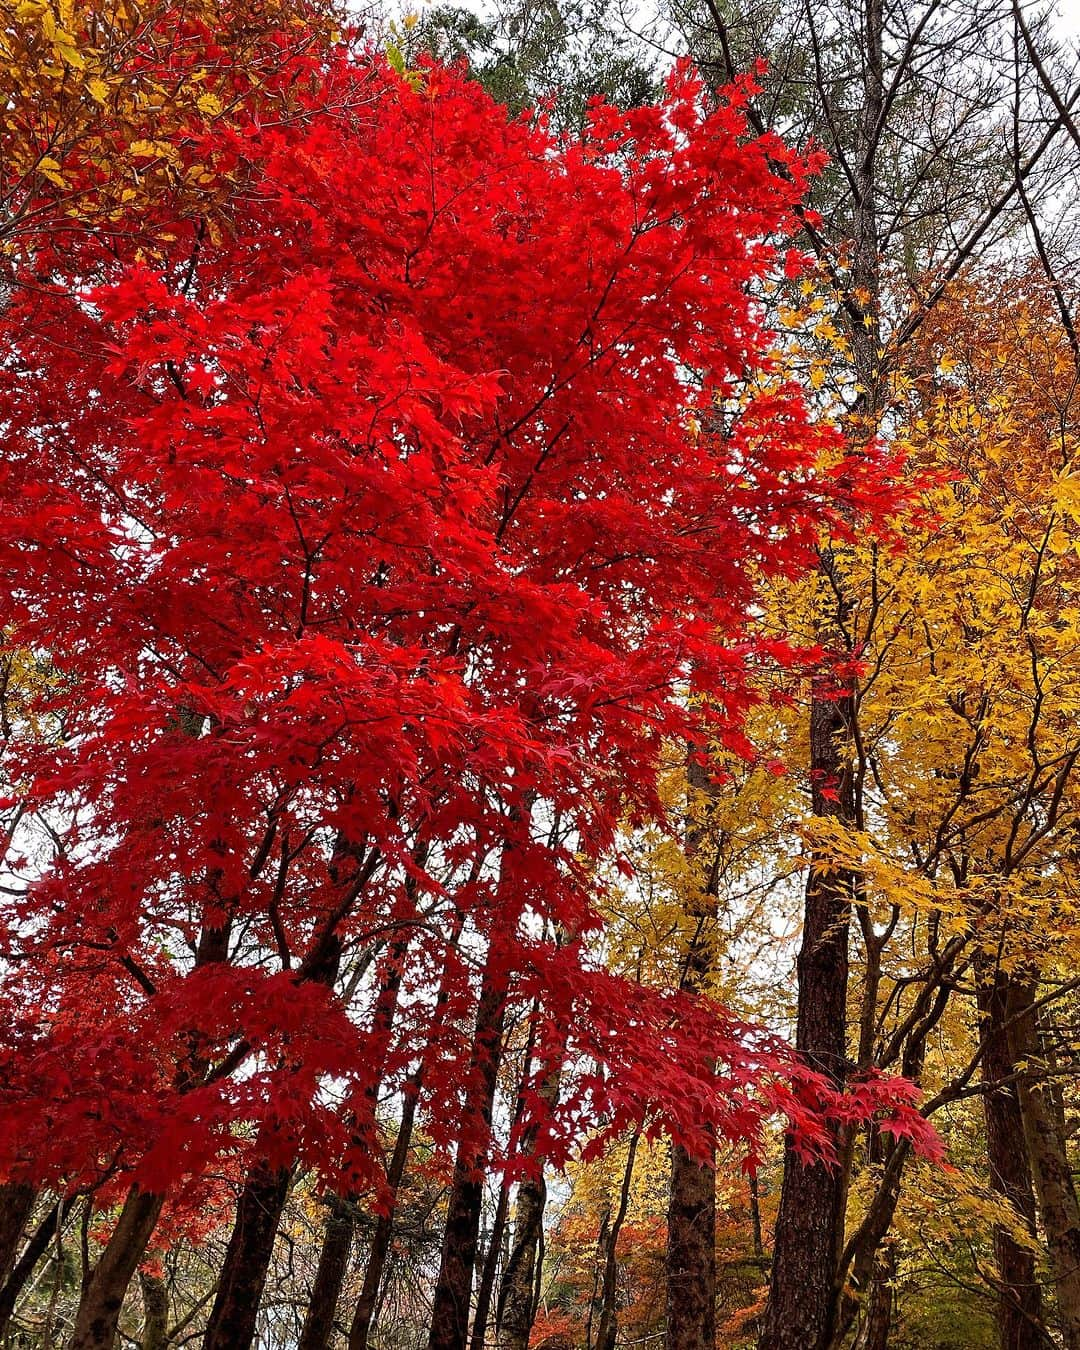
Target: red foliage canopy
[(365, 542)]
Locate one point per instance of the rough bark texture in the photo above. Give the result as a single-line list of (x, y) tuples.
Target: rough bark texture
[(104, 1292), (691, 1253), (809, 1225), (155, 1298), (691, 1218), (1055, 1190), (247, 1258), (453, 1288), (1019, 1311), (879, 1305), (329, 1275), (516, 1291), (16, 1202)]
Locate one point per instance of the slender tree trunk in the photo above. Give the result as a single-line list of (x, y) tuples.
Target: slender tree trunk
[(608, 1327), (517, 1295), (16, 1201), (486, 1288), (1020, 1313), (364, 1313), (247, 1259), (1055, 1190), (879, 1305), (30, 1255), (453, 1288), (155, 1297), (329, 1276), (810, 1223), (104, 1292), (802, 1308), (690, 1259)]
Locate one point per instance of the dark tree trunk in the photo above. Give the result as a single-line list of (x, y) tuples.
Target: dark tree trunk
[(453, 1288), (16, 1202), (516, 1295), (608, 1326), (486, 1288), (104, 1292), (691, 1253), (364, 1313), (30, 1255), (810, 1222), (384, 1228), (329, 1276), (155, 1298), (690, 1261), (247, 1259), (1055, 1190), (1019, 1312), (879, 1305)]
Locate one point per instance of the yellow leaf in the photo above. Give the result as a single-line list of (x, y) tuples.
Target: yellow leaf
[(209, 104)]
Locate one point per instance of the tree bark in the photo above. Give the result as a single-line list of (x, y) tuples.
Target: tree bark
[(247, 1258), (104, 1292), (486, 1288), (453, 1288), (30, 1255), (691, 1253), (329, 1276), (16, 1202), (155, 1297), (1055, 1190), (517, 1295), (690, 1259), (364, 1312), (810, 1223), (1019, 1312), (608, 1327)]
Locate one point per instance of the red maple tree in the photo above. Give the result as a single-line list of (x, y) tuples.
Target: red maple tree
[(374, 562)]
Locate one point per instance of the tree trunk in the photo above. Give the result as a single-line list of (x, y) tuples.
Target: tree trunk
[(247, 1258), (1019, 1313), (364, 1313), (879, 1305), (810, 1223), (690, 1259), (516, 1294), (104, 1292), (608, 1327), (691, 1253), (29, 1257), (453, 1288), (384, 1228), (486, 1289), (1055, 1191), (155, 1297), (16, 1202), (333, 1262)]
